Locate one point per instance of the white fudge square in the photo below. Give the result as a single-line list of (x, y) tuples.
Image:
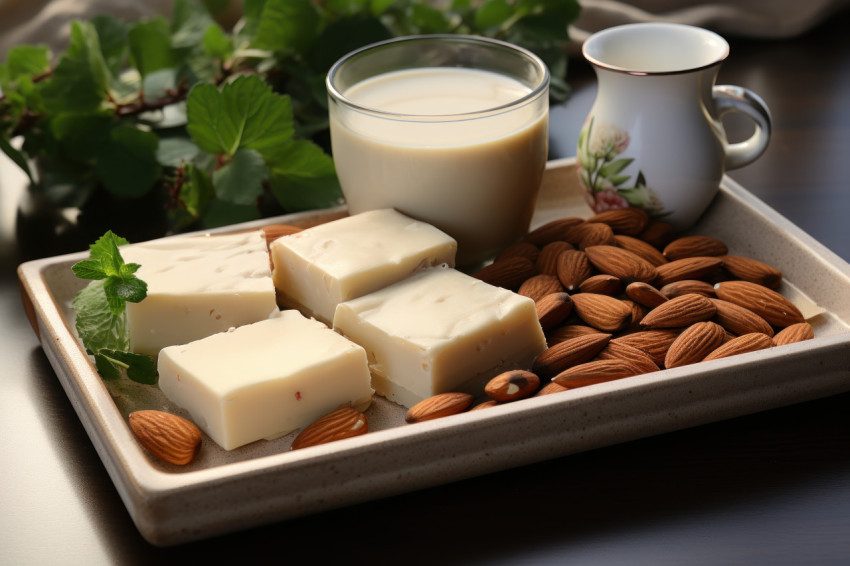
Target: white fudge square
[(197, 286), (440, 330), (318, 268), (265, 379)]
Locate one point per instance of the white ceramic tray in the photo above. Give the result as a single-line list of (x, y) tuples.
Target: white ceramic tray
[(265, 482)]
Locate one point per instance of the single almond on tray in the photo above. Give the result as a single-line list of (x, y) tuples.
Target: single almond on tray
[(345, 422), (547, 261), (552, 231), (602, 283), (596, 371), (520, 249), (562, 355), (512, 385), (752, 270), (741, 345), (694, 246), (739, 320), (573, 268), (686, 268), (601, 311), (621, 351), (767, 303), (640, 248), (654, 343), (508, 273), (631, 221), (685, 286), (540, 285), (645, 294), (170, 438), (621, 263), (680, 311), (567, 331), (794, 333), (694, 344), (438, 406), (553, 309)]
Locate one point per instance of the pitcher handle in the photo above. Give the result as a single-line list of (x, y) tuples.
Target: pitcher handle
[(730, 98)]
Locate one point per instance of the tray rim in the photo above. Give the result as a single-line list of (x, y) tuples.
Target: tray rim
[(149, 493)]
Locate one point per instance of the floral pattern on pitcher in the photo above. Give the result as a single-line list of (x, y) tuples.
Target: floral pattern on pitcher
[(600, 164)]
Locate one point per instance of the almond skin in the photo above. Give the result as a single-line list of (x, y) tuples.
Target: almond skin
[(741, 345), (638, 312), (603, 284), (654, 343), (686, 268), (592, 233), (631, 221), (484, 405), (512, 385), (767, 303), (685, 286), (640, 248), (568, 353), (739, 320), (752, 270), (170, 438), (621, 263), (509, 273), (794, 333), (601, 311), (693, 246), (645, 294), (553, 309), (345, 422), (678, 312), (547, 261), (562, 333), (573, 268), (520, 249), (657, 233), (438, 406), (552, 231), (538, 286), (597, 371), (694, 344), (636, 357), (550, 388)]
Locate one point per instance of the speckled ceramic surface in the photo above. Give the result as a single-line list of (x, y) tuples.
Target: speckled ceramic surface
[(264, 482)]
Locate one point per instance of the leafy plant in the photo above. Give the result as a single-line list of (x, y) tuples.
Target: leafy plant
[(228, 124)]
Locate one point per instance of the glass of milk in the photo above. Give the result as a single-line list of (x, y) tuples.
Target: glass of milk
[(448, 129)]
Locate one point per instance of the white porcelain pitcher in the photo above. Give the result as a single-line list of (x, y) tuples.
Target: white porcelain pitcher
[(653, 138)]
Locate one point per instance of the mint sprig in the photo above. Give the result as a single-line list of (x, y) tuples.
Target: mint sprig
[(101, 311)]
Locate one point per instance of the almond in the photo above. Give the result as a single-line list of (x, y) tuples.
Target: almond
[(645, 294), (631, 221), (739, 320), (685, 286), (484, 405), (562, 333), (597, 371), (538, 286), (520, 249), (657, 233), (794, 333), (621, 263), (274, 231), (694, 344), (509, 273), (595, 234), (568, 353), (638, 312), (553, 309), (603, 284), (640, 248), (741, 345), (680, 311), (552, 231), (621, 351), (752, 270), (573, 268), (694, 246), (601, 311), (438, 406), (550, 388), (345, 422), (547, 261), (686, 268), (170, 438), (767, 303), (512, 385), (654, 343)]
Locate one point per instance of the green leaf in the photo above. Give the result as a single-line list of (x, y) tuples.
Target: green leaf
[(493, 13), (216, 43), (150, 46), (287, 26), (127, 163), (197, 190), (222, 213), (304, 178), (427, 19), (189, 22), (97, 325), (25, 61), (174, 151), (611, 169), (112, 36), (343, 36), (81, 79), (241, 180), (140, 368), (244, 114), (16, 156)]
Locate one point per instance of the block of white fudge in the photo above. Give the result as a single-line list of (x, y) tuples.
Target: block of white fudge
[(318, 268), (440, 330), (197, 286), (265, 379)]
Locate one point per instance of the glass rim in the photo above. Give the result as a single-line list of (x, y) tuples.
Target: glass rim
[(535, 93)]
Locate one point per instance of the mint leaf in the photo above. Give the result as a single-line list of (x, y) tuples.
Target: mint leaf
[(139, 367), (105, 262), (97, 325)]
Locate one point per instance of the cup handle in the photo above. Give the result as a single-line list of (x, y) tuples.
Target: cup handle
[(729, 98)]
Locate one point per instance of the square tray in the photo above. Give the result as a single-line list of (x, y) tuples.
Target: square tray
[(264, 482)]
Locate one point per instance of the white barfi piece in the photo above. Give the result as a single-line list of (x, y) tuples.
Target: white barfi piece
[(197, 286), (318, 268), (265, 379), (440, 330)]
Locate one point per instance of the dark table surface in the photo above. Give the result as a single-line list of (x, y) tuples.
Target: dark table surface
[(770, 488)]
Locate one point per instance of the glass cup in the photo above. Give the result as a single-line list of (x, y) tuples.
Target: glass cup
[(448, 129)]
